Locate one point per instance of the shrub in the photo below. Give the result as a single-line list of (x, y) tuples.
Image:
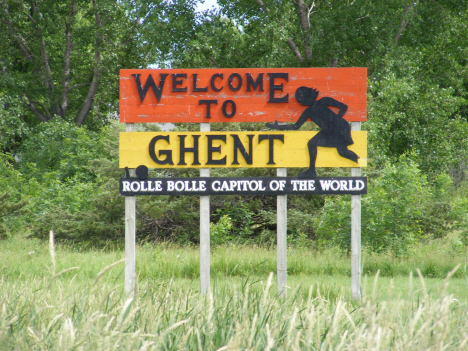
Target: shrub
[(62, 148), (219, 232), (78, 196), (14, 195), (400, 209)]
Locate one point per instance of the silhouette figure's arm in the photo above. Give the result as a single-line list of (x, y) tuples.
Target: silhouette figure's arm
[(332, 102), (294, 126)]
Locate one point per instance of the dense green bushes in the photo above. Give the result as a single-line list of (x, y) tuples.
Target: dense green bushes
[(67, 180), (15, 191), (78, 172), (401, 209), (61, 150)]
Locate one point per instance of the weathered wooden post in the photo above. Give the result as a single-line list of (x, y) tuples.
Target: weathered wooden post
[(355, 233), (130, 233), (204, 230), (281, 238)]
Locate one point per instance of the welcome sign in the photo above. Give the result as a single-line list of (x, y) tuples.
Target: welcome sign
[(235, 95), (329, 97), (281, 98)]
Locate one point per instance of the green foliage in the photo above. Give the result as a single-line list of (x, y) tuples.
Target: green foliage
[(219, 232), (168, 218), (77, 212), (400, 209), (411, 114), (241, 214), (245, 44), (63, 57), (166, 28), (440, 213), (78, 196), (461, 219), (14, 197), (8, 208), (61, 149), (12, 126), (29, 256)]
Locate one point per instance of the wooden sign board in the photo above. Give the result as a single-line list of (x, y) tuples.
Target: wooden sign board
[(243, 186), (232, 150), (235, 95)]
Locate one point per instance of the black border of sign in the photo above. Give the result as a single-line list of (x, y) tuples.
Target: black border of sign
[(245, 186)]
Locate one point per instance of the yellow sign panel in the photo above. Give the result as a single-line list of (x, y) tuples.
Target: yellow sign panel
[(232, 150)]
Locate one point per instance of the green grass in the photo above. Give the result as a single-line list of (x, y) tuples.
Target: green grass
[(31, 256), (43, 307)]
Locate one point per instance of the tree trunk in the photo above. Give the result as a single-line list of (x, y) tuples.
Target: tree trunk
[(95, 82), (67, 60), (305, 25)]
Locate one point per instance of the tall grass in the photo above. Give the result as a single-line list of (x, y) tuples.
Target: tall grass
[(37, 315), (164, 261), (84, 307)]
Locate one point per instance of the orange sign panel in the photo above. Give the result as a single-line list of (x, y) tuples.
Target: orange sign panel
[(236, 94)]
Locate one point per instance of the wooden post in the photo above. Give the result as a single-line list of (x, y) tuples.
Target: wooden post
[(130, 233), (204, 230), (281, 238), (355, 233)]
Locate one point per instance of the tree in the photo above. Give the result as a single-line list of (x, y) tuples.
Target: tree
[(414, 52), (61, 58), (167, 28)]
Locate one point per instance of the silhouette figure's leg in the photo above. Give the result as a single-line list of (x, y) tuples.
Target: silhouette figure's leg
[(344, 152), (310, 173)]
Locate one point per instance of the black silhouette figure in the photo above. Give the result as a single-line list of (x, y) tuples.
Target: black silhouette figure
[(335, 130)]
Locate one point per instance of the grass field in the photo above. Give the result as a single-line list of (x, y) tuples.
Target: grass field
[(75, 301)]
